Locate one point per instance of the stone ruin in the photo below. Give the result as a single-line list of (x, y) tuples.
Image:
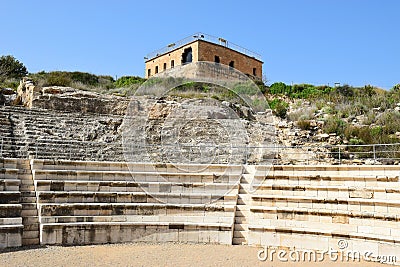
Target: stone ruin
[(75, 195)]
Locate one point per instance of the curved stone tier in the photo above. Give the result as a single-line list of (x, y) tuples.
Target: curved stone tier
[(302, 207)]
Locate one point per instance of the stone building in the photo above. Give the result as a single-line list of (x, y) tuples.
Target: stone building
[(203, 47)]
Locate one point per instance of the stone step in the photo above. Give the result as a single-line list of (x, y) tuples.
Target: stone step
[(29, 212), (239, 213), (27, 188), (241, 227), (30, 220), (241, 220), (129, 197), (92, 209), (242, 191), (29, 206), (24, 167), (30, 234), (243, 202), (25, 176), (11, 221), (28, 194), (9, 197), (354, 204), (240, 233), (27, 181), (28, 200), (243, 208), (239, 241), (32, 227), (30, 241)]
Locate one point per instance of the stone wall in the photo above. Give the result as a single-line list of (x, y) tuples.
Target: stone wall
[(243, 63), (175, 55), (69, 99), (206, 51)]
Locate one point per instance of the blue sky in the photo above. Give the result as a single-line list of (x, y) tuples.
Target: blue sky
[(301, 41)]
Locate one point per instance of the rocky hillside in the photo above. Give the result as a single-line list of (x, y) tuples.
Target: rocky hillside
[(311, 131)]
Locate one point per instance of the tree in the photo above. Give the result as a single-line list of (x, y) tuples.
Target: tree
[(396, 87), (10, 67), (369, 90), (345, 90)]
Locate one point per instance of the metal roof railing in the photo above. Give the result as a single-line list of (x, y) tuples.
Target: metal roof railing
[(204, 37)]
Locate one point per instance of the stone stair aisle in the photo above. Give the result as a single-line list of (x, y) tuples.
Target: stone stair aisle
[(29, 213), (242, 215)]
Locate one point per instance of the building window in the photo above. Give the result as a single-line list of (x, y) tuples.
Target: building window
[(216, 59), (172, 64), (156, 71), (148, 72), (232, 64), (254, 72), (165, 66), (187, 55)]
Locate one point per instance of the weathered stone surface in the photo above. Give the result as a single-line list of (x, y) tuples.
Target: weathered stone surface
[(74, 100), (26, 91), (7, 96)]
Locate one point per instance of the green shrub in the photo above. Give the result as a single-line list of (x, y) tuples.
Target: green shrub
[(83, 77), (126, 81), (355, 141), (279, 107), (304, 124), (396, 87), (345, 90), (334, 125), (390, 122), (261, 85), (76, 79), (299, 90), (279, 88), (58, 78), (10, 83), (302, 114), (368, 90)]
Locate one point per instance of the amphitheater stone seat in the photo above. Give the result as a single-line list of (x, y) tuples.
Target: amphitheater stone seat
[(135, 202), (11, 226), (314, 207)]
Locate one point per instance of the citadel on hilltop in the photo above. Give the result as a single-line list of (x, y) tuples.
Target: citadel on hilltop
[(203, 47)]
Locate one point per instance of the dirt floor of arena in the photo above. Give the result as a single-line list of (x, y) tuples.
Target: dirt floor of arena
[(141, 254)]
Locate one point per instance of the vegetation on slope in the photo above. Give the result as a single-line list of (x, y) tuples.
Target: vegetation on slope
[(361, 115)]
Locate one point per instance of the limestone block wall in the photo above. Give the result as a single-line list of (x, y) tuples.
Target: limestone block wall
[(175, 56), (205, 51), (304, 207)]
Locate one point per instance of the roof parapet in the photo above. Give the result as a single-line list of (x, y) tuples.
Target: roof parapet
[(204, 37)]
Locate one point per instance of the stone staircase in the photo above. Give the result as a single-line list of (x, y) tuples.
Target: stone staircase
[(252, 179), (29, 213), (241, 229)]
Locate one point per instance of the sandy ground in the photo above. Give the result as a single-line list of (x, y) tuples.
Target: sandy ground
[(149, 255)]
